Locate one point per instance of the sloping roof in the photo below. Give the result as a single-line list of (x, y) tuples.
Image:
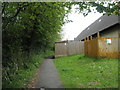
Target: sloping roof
[(99, 25)]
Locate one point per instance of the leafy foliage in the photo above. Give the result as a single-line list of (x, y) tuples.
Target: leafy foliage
[(32, 27), (28, 28)]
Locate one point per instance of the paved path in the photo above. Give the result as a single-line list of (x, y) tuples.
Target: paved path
[(48, 76)]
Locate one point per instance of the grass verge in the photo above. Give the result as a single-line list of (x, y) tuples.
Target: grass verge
[(78, 71), (23, 76)]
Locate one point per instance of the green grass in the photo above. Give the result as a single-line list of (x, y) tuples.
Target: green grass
[(78, 71), (23, 76)]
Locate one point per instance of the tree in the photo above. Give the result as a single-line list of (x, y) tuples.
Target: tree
[(34, 27)]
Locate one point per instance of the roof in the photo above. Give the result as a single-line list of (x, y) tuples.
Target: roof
[(99, 25)]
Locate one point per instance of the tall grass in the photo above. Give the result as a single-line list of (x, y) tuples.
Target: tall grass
[(23, 76)]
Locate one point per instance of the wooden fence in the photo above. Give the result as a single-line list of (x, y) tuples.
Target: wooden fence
[(68, 48), (102, 48), (91, 48)]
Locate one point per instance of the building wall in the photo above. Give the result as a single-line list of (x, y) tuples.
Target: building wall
[(111, 31)]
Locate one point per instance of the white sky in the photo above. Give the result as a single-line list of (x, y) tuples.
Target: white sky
[(73, 29)]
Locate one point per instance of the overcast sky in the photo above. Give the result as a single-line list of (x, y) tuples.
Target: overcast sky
[(73, 29)]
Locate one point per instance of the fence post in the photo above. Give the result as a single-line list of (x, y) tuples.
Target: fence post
[(90, 37), (98, 35)]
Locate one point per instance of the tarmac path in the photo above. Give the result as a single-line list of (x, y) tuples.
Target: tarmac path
[(48, 76)]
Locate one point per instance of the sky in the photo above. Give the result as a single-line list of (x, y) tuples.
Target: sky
[(72, 29)]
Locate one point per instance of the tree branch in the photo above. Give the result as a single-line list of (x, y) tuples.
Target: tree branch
[(18, 10)]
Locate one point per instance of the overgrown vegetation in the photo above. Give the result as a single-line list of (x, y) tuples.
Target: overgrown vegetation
[(78, 71), (23, 76), (30, 28)]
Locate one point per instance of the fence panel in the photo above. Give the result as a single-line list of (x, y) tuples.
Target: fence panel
[(100, 48), (60, 49), (91, 48), (72, 47), (108, 50)]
